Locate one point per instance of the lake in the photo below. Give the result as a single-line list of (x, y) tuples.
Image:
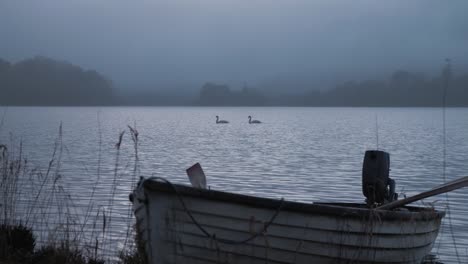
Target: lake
[(301, 154)]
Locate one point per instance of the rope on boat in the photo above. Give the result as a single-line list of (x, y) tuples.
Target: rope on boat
[(213, 236)]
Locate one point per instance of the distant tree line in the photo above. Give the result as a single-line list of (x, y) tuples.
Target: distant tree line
[(43, 81), (219, 94), (402, 89)]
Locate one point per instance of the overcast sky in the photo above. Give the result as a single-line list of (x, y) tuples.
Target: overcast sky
[(152, 43)]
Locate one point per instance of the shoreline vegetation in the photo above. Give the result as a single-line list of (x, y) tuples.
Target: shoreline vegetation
[(42, 81), (40, 221)]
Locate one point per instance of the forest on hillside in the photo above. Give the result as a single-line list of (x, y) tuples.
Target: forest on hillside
[(44, 81)]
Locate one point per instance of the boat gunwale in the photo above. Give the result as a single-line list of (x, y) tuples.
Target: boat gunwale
[(351, 210)]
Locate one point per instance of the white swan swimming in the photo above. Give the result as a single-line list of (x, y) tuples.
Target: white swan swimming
[(253, 121), (221, 121)]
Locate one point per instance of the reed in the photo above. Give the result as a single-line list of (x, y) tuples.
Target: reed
[(135, 253), (35, 204)]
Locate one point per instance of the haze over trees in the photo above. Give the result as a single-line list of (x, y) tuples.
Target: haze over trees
[(212, 94), (44, 81), (163, 47), (403, 88)]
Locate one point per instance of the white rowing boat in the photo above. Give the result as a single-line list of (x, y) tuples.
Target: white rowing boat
[(182, 224)]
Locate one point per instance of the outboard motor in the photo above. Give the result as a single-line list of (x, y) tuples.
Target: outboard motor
[(377, 186)]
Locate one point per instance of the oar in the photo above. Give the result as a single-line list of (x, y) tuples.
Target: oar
[(447, 187)]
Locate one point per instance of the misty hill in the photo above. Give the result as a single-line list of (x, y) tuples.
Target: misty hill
[(44, 81)]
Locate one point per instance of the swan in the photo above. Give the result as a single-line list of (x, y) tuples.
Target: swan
[(221, 121), (253, 121)]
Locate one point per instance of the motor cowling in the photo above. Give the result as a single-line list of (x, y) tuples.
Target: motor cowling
[(377, 186)]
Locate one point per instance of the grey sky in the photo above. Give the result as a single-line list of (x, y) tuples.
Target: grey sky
[(152, 43)]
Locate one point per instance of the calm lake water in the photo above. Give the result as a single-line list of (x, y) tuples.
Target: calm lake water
[(301, 154)]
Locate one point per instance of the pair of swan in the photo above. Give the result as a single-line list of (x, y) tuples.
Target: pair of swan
[(225, 121)]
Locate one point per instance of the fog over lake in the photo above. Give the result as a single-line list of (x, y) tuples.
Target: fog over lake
[(176, 46)]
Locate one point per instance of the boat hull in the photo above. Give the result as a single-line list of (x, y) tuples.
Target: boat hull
[(180, 224)]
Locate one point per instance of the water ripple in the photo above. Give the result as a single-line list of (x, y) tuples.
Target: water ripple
[(302, 154)]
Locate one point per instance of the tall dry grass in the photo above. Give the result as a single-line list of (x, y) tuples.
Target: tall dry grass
[(35, 199)]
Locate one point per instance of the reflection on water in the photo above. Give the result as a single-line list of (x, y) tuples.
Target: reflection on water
[(302, 154)]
